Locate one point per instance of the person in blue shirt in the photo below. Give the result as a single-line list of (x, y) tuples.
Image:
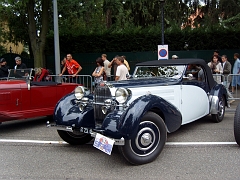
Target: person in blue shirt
[(236, 70)]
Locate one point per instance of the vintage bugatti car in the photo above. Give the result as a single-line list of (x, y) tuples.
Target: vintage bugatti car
[(137, 113), (237, 125), (22, 98)]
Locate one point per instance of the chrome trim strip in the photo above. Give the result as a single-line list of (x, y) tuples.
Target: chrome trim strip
[(118, 142), (59, 127)]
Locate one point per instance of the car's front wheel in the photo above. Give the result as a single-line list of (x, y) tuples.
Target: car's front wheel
[(75, 138), (221, 111), (148, 141), (237, 125)]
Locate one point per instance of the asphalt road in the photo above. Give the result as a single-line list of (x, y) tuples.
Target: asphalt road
[(200, 150)]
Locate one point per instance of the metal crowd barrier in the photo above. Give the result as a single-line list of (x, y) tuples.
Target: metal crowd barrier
[(227, 82), (229, 79), (85, 80)]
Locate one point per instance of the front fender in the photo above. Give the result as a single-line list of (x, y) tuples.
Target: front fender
[(126, 123), (67, 113)]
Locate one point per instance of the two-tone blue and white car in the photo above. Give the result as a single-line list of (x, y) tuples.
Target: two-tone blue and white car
[(137, 114)]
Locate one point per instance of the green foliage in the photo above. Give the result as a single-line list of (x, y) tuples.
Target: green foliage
[(148, 39)]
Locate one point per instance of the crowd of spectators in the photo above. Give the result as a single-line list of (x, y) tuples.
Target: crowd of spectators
[(219, 65)]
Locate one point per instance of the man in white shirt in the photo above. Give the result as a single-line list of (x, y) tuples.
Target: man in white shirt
[(106, 68), (122, 71)]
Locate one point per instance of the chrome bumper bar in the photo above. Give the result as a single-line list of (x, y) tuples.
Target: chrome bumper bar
[(118, 142)]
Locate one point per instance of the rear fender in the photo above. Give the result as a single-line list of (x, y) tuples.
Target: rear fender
[(216, 93)]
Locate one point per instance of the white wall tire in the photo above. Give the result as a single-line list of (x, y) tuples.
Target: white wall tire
[(149, 141)]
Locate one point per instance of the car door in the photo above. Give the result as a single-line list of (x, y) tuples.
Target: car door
[(43, 97), (194, 102)]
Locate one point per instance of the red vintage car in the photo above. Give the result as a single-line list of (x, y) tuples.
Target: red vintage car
[(22, 98)]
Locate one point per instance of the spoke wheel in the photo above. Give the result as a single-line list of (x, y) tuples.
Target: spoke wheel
[(148, 142), (221, 111)]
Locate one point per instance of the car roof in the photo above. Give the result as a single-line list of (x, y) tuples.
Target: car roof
[(172, 62)]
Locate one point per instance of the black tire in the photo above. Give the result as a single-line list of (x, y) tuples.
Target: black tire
[(237, 125), (75, 138), (221, 111), (136, 150)]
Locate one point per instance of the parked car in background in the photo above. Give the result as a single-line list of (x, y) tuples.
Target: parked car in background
[(138, 113), (22, 98), (237, 125)]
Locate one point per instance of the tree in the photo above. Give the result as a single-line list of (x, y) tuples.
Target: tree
[(28, 16)]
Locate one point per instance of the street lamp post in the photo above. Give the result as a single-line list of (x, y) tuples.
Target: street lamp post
[(162, 10), (56, 38)]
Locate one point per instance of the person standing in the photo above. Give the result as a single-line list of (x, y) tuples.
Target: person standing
[(236, 70), (106, 68), (216, 68), (126, 63), (227, 67), (174, 56), (72, 67), (122, 71), (216, 53), (98, 72), (3, 68), (19, 64), (114, 65)]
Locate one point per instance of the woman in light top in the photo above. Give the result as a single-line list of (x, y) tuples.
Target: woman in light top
[(99, 71), (216, 68)]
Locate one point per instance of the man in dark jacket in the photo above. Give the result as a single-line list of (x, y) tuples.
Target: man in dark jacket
[(19, 64), (3, 68)]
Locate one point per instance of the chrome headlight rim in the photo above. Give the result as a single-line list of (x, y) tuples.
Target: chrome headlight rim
[(122, 95), (79, 92)]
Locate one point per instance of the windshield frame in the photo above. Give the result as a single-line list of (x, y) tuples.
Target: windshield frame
[(181, 71), (20, 74)]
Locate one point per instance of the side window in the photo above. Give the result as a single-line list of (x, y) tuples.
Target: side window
[(201, 75)]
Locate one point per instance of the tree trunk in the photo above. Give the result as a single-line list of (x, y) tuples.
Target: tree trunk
[(108, 18), (38, 39)]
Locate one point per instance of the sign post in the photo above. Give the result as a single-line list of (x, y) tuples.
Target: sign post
[(162, 52)]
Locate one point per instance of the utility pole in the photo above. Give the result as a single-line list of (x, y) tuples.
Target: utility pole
[(56, 38)]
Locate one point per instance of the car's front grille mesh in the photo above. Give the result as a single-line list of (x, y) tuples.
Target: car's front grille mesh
[(101, 93)]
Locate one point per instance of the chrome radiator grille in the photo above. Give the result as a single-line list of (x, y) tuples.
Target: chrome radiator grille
[(101, 93)]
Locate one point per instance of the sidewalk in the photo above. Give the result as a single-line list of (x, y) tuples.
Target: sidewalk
[(233, 106)]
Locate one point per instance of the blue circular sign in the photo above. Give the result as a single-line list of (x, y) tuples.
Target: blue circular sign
[(162, 52)]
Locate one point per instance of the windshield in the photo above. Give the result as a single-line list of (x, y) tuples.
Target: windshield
[(19, 73), (159, 71)]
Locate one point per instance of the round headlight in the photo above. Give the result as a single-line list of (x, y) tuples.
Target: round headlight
[(79, 92), (121, 95)]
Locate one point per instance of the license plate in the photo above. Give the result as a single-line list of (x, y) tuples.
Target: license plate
[(103, 143), (85, 130)]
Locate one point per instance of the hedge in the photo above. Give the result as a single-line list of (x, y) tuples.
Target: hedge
[(197, 39)]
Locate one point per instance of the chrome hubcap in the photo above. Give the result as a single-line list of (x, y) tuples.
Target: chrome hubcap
[(146, 139)]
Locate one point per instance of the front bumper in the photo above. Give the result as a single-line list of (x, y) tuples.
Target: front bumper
[(93, 132)]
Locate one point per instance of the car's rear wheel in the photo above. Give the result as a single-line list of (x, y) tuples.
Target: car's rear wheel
[(75, 138), (148, 142), (237, 125), (221, 111)]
